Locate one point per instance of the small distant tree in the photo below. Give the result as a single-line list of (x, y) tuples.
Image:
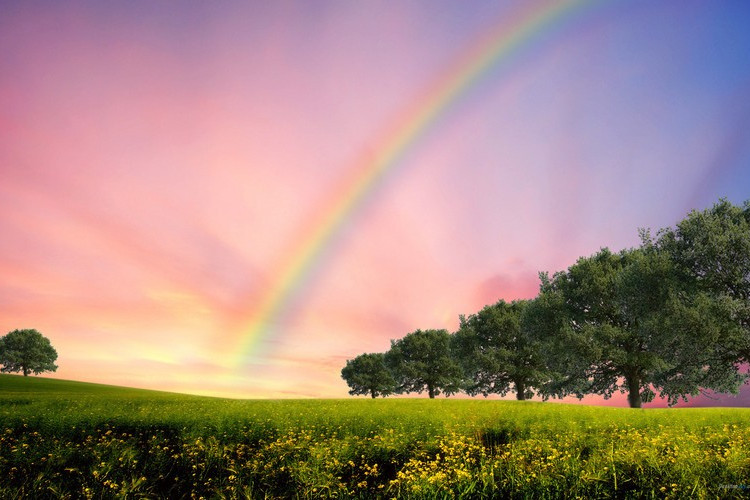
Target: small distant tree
[(497, 354), (422, 360), (368, 374), (27, 351)]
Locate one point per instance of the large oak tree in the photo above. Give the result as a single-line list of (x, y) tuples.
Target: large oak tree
[(631, 327), (711, 251), (27, 351)]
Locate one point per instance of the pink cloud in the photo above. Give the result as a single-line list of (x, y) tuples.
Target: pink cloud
[(507, 287)]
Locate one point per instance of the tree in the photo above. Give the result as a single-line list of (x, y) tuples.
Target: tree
[(629, 326), (681, 327), (546, 319), (368, 374), (496, 353), (711, 251), (27, 351), (422, 361)]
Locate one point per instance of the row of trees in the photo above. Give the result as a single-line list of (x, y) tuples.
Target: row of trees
[(671, 316)]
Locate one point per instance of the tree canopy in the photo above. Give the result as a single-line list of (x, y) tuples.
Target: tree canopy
[(671, 316), (496, 353), (27, 351), (422, 361), (711, 250), (598, 344), (368, 374), (630, 327)]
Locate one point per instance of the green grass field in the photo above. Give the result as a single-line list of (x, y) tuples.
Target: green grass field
[(77, 440)]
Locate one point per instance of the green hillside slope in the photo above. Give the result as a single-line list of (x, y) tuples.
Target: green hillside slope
[(20, 384)]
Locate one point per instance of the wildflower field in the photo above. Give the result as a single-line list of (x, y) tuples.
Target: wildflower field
[(63, 439)]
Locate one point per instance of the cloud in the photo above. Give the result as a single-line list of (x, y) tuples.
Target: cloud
[(508, 287)]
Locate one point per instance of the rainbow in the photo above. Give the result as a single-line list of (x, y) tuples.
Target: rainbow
[(498, 46)]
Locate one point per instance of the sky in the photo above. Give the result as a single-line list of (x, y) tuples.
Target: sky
[(234, 198)]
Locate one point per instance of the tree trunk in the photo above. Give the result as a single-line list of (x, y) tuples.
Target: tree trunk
[(372, 393), (520, 390), (634, 391), (431, 391), (25, 371)]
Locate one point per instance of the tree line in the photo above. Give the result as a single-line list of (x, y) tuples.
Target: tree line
[(671, 316)]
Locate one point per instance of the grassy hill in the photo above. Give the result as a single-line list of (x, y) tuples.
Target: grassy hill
[(62, 438), (20, 384)]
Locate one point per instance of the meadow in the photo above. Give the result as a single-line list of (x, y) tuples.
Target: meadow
[(61, 439)]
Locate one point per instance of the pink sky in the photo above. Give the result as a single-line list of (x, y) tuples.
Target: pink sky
[(158, 165)]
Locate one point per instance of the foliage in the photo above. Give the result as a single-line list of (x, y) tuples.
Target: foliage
[(368, 374), (711, 249), (627, 328), (27, 351), (671, 316), (497, 353), (546, 319), (70, 440), (422, 360)]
